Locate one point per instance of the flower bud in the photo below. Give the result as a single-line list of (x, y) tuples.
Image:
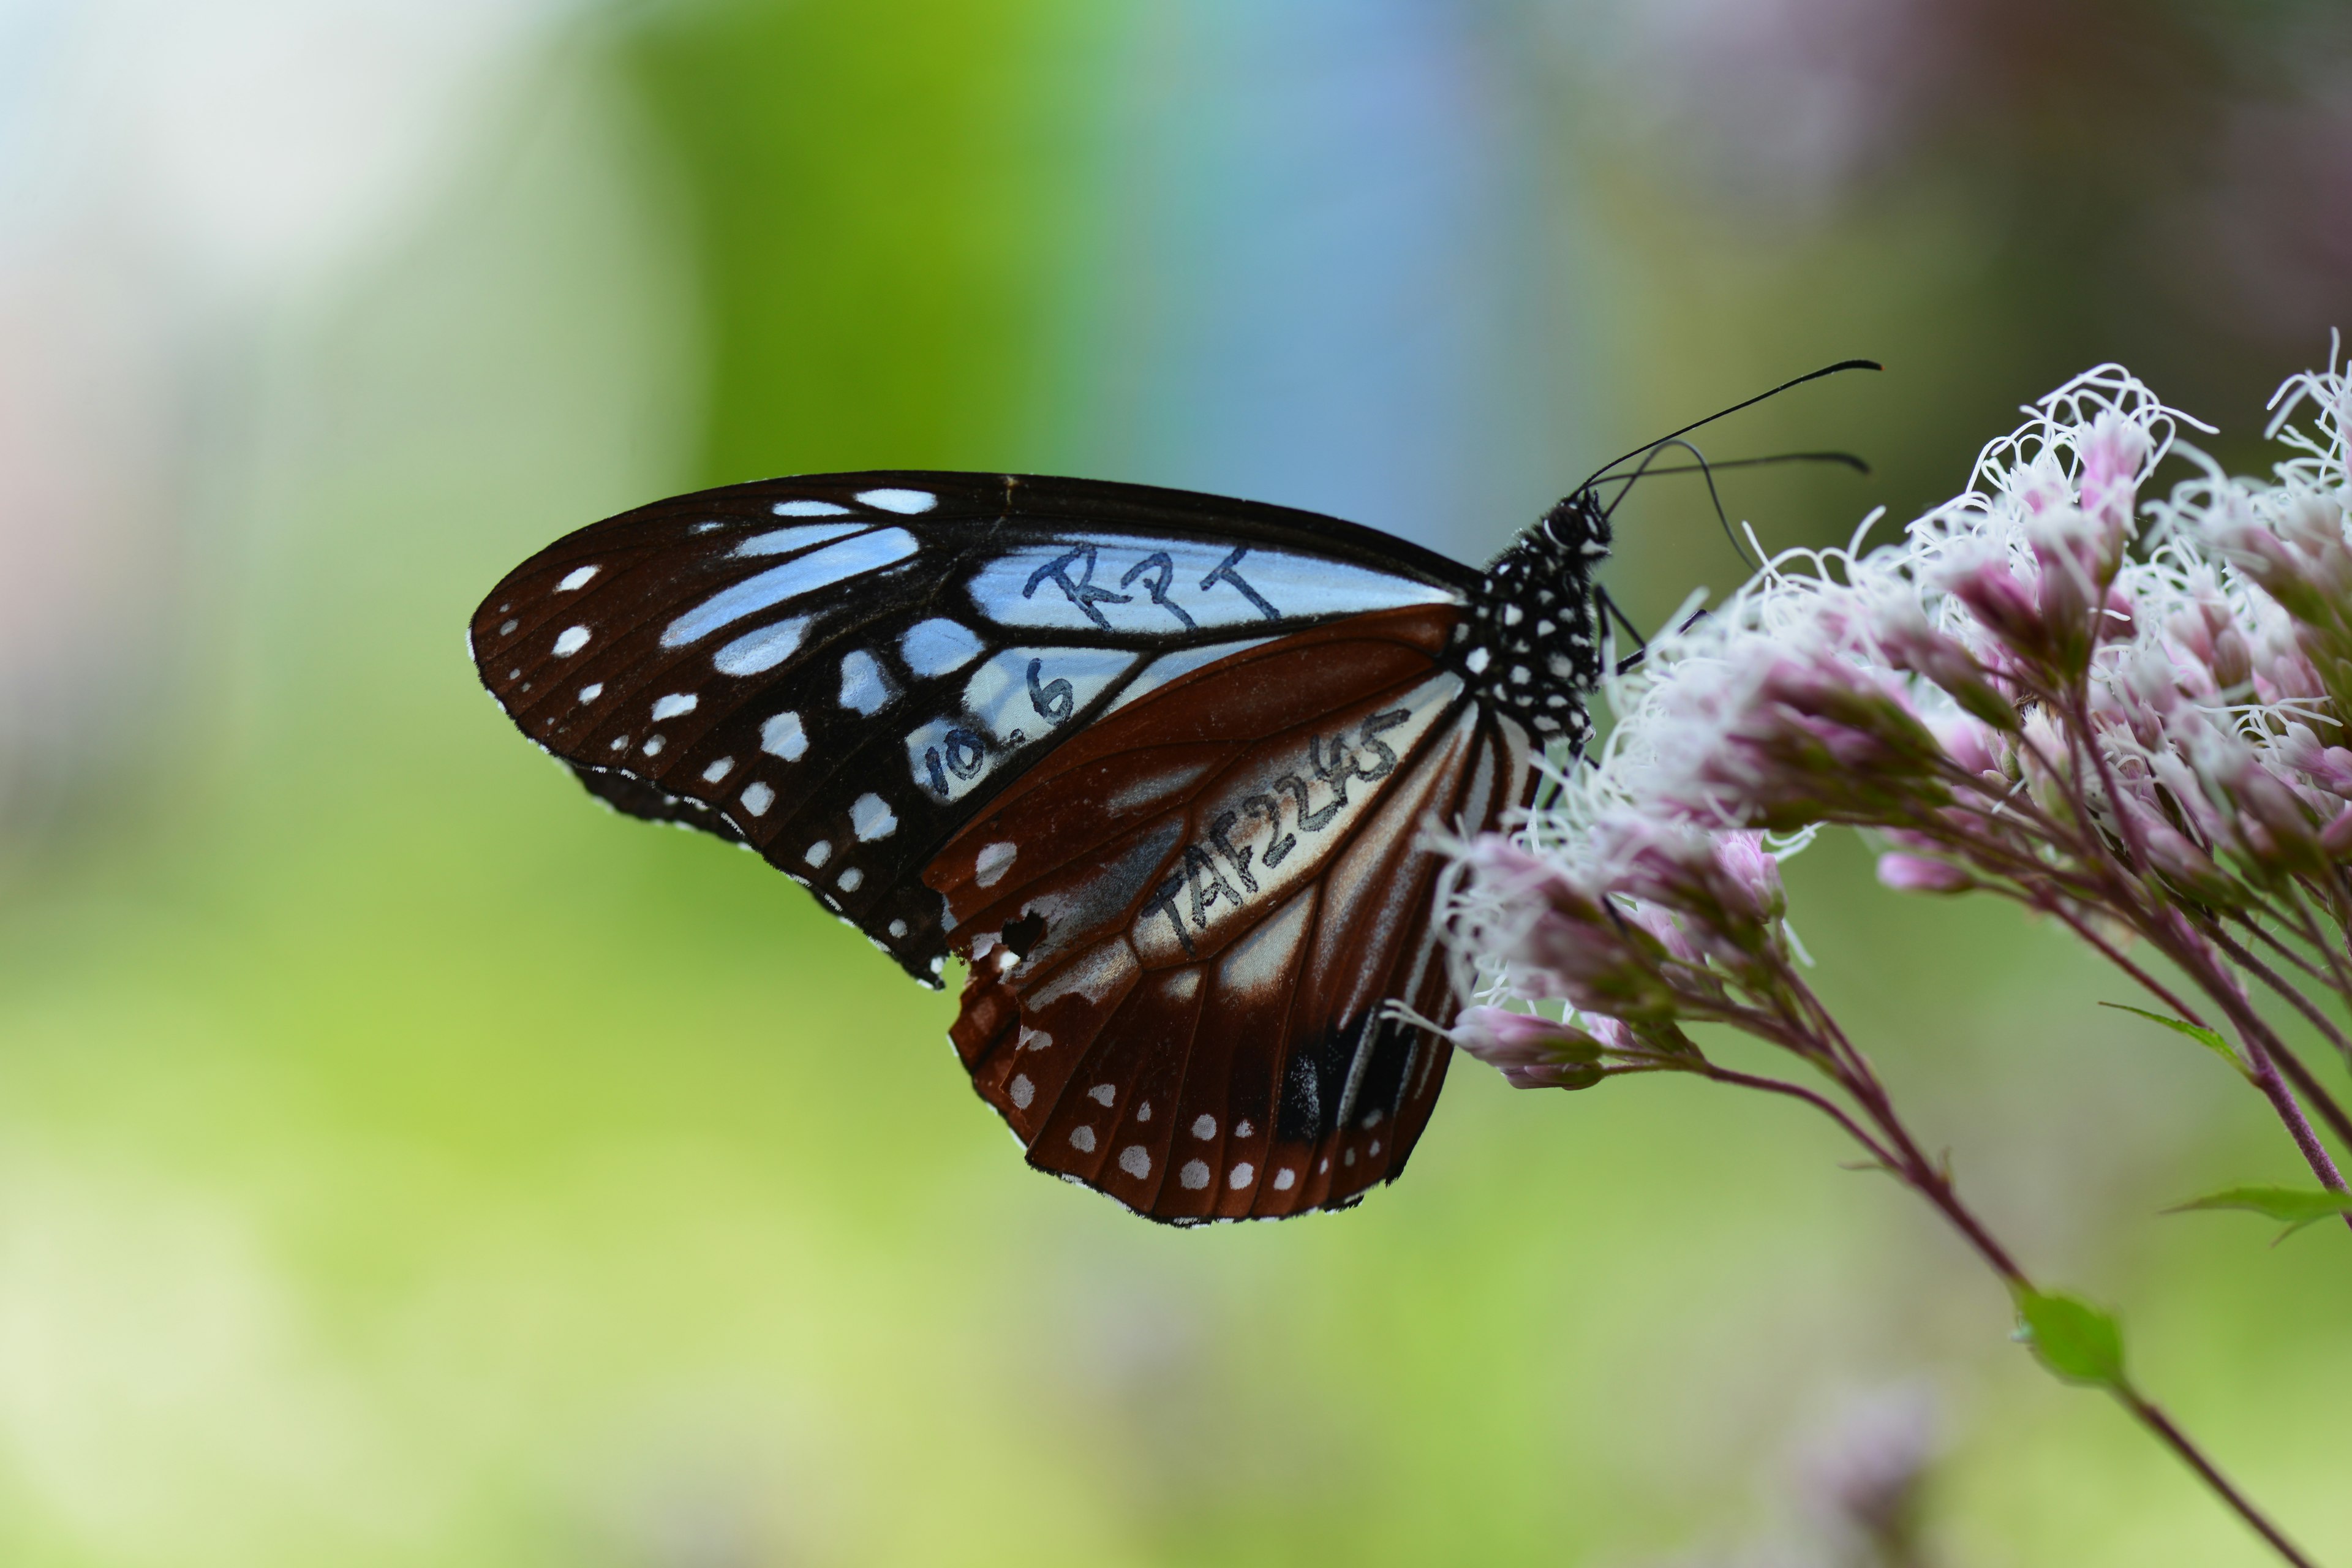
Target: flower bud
[(2113, 454), (2001, 604), (2335, 839), (1908, 642), (1530, 1052), (1914, 874), (1970, 745), (2326, 768), (1565, 936), (2274, 823), (1723, 889), (2180, 864)]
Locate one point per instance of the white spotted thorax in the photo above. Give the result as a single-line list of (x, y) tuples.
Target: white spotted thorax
[(1533, 642)]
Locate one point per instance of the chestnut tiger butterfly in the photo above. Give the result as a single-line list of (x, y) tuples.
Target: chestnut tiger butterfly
[(1158, 765)]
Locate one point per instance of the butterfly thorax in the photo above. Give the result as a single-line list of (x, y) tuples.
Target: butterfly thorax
[(1532, 645)]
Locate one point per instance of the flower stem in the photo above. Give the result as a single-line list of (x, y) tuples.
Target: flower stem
[(2186, 947), (1900, 1154), (2292, 1065), (2156, 1421)]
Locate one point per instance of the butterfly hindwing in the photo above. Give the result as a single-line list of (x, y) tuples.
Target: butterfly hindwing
[(1185, 923), (843, 670)]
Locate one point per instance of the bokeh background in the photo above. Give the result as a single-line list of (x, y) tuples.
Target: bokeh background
[(402, 1160)]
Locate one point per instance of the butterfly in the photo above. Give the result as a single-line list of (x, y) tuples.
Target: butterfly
[(1161, 767)]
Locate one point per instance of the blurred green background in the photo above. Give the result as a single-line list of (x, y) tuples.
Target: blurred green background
[(403, 1161)]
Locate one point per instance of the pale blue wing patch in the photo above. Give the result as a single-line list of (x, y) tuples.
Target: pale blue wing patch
[(756, 652), (1019, 695), (1146, 586), (824, 567), (1022, 693), (939, 646), (784, 540), (864, 690), (905, 503)]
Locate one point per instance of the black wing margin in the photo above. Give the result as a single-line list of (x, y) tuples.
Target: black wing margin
[(751, 660)]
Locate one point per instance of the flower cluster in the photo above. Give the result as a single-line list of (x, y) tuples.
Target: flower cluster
[(2134, 715), (2131, 714)]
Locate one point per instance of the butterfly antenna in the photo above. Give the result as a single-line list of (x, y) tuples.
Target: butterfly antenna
[(1845, 459), (1844, 364), (1701, 467)]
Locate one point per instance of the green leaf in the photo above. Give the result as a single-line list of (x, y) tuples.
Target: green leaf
[(2078, 1342), (2299, 1206), (2206, 1037)]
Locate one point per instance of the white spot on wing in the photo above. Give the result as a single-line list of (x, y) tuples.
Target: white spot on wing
[(1194, 1175), (758, 797), (576, 578), (863, 689), (937, 646), (761, 650), (897, 928), (810, 508), (819, 853), (806, 574), (1136, 1161), (572, 640), (782, 736), (991, 863), (1022, 1091), (1082, 1139), (1205, 1126), (784, 540), (590, 692), (1284, 1179), (1242, 1128), (851, 881), (671, 706), (905, 503), (870, 818), (1241, 1176), (1143, 1112), (1102, 1094), (654, 744), (719, 770)]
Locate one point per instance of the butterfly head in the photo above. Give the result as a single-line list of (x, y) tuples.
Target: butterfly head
[(1532, 644)]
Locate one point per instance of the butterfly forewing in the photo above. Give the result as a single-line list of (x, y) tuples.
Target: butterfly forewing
[(842, 670)]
